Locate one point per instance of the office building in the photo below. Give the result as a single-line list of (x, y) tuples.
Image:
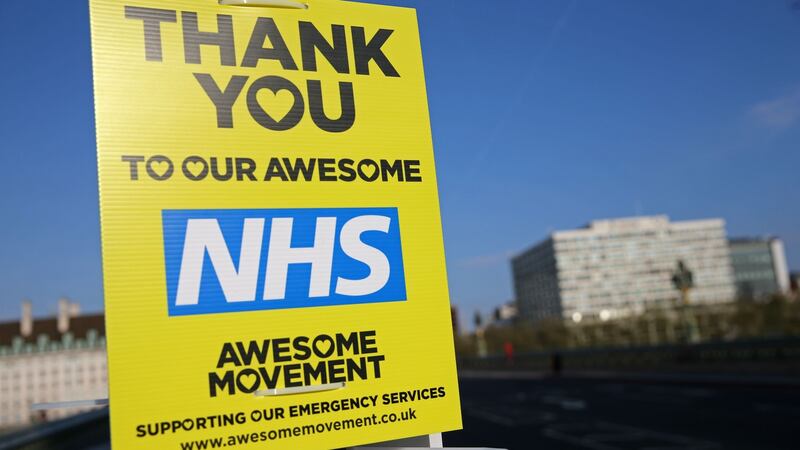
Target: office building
[(759, 267), (614, 268), (55, 359)]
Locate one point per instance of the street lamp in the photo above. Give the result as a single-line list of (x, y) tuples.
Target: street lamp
[(683, 280)]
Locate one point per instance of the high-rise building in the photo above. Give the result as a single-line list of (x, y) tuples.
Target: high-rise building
[(56, 359), (614, 268), (759, 267)]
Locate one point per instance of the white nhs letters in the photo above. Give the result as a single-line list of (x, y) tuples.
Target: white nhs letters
[(239, 284)]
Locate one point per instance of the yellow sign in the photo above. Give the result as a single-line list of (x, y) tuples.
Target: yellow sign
[(273, 262)]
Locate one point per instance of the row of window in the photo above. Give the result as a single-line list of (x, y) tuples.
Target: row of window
[(755, 275)]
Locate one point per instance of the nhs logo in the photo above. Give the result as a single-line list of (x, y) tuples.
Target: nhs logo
[(253, 259)]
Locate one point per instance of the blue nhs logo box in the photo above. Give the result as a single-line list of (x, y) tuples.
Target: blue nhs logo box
[(227, 260)]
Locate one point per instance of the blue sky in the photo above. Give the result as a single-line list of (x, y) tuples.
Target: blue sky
[(545, 114)]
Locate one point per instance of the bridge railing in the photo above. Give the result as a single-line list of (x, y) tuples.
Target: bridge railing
[(773, 355)]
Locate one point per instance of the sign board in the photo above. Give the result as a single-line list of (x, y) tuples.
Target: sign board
[(270, 224)]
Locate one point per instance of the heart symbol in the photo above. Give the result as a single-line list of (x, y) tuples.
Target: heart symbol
[(371, 172), (282, 94), (323, 350), (248, 379), (276, 105), (159, 168), (195, 168)]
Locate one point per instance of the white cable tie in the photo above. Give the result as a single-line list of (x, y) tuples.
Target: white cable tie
[(299, 390), (69, 404), (266, 3)]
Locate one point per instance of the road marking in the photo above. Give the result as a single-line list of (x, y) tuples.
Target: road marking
[(502, 375), (599, 435), (510, 417), (490, 417), (568, 404), (643, 395)]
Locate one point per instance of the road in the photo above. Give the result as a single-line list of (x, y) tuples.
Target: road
[(520, 411), (606, 414)]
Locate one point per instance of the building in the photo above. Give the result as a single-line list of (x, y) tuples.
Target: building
[(759, 267), (56, 359), (614, 268)]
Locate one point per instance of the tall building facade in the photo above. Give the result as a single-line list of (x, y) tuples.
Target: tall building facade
[(50, 360), (759, 267), (614, 268)]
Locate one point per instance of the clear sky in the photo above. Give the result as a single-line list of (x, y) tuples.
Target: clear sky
[(546, 114)]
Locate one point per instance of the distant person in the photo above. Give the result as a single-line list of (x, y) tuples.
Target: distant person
[(508, 349), (555, 364)]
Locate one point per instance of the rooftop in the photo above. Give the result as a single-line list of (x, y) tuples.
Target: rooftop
[(79, 327)]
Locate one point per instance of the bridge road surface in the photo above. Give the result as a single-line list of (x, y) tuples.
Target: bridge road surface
[(608, 414)]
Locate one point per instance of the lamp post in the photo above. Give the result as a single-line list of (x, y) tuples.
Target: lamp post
[(683, 280), (480, 340)]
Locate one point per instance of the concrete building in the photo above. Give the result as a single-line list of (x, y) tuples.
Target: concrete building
[(759, 267), (56, 359), (614, 268)]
